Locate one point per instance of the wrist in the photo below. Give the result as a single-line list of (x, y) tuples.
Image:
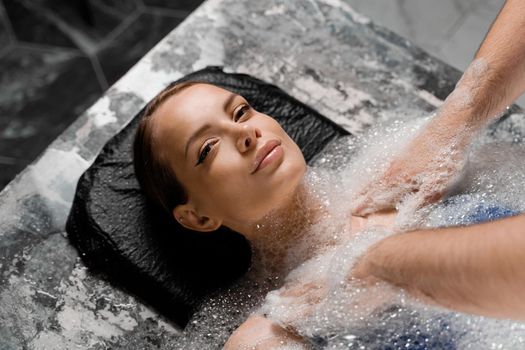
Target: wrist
[(370, 264), (479, 96), (390, 261)]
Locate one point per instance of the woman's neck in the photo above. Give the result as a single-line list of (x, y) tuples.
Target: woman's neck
[(277, 238)]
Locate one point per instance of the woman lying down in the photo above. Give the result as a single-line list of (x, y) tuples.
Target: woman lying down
[(208, 158)]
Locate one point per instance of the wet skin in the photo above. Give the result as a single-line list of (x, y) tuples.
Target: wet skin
[(235, 163)]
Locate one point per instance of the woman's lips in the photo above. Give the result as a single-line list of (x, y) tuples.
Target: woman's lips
[(271, 151)]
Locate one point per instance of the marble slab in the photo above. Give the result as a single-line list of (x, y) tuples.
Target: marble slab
[(320, 51)]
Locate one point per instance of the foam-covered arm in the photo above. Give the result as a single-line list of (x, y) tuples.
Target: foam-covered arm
[(496, 76), (476, 269), (501, 60), (433, 160)]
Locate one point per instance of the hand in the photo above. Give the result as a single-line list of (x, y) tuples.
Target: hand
[(296, 301), (377, 265), (384, 220), (305, 308), (425, 169), (363, 268)]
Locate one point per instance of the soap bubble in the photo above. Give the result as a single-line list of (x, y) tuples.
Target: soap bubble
[(309, 290)]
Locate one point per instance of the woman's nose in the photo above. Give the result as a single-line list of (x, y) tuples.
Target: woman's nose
[(248, 137)]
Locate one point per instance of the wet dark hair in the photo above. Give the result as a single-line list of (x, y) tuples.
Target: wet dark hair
[(198, 263), (157, 179)]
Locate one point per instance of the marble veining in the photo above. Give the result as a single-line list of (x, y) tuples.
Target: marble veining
[(56, 59), (320, 51)]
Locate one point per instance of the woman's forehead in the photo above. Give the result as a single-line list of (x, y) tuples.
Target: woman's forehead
[(183, 113), (193, 102)]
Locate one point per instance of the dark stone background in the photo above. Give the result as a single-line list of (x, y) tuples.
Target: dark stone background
[(57, 57)]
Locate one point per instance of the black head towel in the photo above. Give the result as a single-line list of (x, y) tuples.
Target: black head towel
[(122, 236)]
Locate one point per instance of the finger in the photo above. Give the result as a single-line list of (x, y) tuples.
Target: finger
[(380, 198), (364, 192), (433, 197), (367, 201), (366, 207), (362, 199), (360, 205)]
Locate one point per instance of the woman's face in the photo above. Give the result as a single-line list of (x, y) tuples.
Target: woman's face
[(235, 163)]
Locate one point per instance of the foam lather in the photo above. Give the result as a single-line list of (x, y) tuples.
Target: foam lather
[(126, 239)]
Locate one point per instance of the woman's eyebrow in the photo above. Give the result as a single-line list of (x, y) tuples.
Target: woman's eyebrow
[(195, 136), (206, 126), (229, 101)]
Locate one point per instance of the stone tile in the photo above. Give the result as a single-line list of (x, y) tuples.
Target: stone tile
[(42, 93), (461, 47), (425, 22), (184, 5), (492, 6), (384, 13), (9, 168), (67, 23), (451, 30), (33, 26), (5, 39), (127, 48)]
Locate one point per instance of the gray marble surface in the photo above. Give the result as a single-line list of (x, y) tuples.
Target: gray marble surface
[(57, 57), (321, 52)]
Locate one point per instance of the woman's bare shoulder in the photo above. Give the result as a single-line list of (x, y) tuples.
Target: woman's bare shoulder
[(258, 333)]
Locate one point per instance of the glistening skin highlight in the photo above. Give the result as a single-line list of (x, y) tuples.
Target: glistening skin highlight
[(235, 163)]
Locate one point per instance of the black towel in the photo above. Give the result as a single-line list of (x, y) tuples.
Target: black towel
[(119, 234)]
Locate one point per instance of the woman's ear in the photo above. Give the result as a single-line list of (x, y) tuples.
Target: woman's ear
[(186, 215)]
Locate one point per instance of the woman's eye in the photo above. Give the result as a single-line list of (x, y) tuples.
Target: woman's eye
[(204, 153), (241, 112)]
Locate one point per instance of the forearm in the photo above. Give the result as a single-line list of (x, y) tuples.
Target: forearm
[(504, 51), (496, 77), (476, 269)]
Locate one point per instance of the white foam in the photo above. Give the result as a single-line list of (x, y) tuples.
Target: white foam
[(319, 299), (491, 181)]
